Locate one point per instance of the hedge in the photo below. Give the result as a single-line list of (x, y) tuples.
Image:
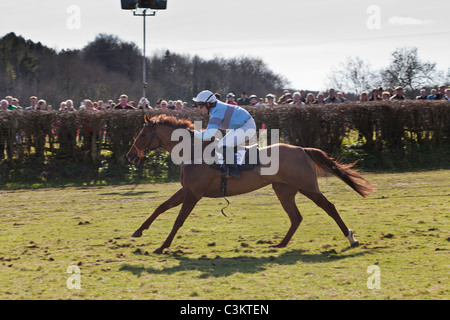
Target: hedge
[(380, 134)]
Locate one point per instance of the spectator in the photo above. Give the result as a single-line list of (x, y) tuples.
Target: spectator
[(4, 105), (270, 100), (62, 106), (447, 94), (302, 96), (441, 94), (15, 102), (10, 107), (170, 105), (110, 104), (331, 97), (123, 103), (423, 95), (432, 94), (341, 97), (9, 99), (144, 104), (374, 95), (69, 105), (218, 96), (163, 104), (287, 98), (88, 105), (363, 97), (284, 97), (243, 100), (230, 99), (4, 133), (158, 103), (310, 99), (33, 103), (253, 100), (41, 105), (100, 105), (320, 99), (179, 105), (260, 103), (297, 99), (386, 96), (391, 91), (398, 94)]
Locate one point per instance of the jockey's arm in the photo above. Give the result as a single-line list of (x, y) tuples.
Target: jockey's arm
[(206, 135)]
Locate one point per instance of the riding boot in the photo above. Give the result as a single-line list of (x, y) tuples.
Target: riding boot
[(234, 168), (224, 170)]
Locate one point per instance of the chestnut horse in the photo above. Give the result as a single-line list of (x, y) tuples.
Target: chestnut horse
[(297, 172)]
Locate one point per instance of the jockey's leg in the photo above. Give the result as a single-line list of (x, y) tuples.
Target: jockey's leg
[(234, 138)]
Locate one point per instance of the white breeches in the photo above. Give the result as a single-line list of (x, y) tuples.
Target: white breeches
[(233, 138)]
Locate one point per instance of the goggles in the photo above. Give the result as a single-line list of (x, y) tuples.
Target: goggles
[(200, 104)]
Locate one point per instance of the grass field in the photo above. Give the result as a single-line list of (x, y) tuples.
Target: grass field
[(403, 229)]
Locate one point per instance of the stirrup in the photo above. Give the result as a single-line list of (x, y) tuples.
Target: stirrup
[(224, 170), (234, 171)]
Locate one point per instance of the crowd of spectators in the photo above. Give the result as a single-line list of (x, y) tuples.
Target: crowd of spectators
[(300, 97)]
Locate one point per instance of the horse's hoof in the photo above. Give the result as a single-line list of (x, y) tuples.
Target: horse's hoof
[(355, 243), (137, 234), (158, 251), (280, 245)]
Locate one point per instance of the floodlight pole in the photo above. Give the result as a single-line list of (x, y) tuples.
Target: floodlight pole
[(143, 15)]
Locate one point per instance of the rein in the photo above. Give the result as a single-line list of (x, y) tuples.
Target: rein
[(142, 153)]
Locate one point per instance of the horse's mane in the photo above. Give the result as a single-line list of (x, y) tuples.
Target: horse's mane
[(164, 119)]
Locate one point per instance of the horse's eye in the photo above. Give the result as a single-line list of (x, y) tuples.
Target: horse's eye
[(143, 135)]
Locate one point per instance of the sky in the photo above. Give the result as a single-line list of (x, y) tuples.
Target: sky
[(300, 40)]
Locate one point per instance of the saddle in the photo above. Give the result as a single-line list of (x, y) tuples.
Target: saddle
[(250, 162)]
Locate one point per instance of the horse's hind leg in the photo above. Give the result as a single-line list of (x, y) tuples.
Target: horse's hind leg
[(173, 201), (320, 200), (286, 195)]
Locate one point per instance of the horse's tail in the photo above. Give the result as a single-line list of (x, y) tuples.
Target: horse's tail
[(342, 171)]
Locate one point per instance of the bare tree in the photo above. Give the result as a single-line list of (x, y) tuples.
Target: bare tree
[(354, 76), (407, 70)]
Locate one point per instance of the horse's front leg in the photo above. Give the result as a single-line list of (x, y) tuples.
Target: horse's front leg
[(189, 202), (173, 201)]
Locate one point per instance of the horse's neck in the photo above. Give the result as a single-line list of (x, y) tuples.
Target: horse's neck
[(165, 134)]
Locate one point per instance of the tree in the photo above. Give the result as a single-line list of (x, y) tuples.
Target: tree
[(354, 76), (407, 70), (114, 55)]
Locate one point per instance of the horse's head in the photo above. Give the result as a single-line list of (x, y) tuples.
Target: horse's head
[(146, 141)]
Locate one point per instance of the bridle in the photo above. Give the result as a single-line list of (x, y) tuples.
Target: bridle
[(142, 153)]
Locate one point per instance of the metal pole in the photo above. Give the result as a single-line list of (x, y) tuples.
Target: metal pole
[(144, 65), (144, 80)]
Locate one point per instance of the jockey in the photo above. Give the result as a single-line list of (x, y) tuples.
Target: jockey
[(226, 117)]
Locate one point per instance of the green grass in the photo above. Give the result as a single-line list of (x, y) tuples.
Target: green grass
[(403, 229)]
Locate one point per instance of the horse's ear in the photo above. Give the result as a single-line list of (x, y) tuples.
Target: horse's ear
[(146, 119)]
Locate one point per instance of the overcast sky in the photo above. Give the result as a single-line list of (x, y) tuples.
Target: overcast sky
[(301, 40)]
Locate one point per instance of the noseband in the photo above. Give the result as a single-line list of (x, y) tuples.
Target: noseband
[(142, 153)]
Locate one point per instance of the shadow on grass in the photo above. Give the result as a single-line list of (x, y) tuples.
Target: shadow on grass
[(223, 267)]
